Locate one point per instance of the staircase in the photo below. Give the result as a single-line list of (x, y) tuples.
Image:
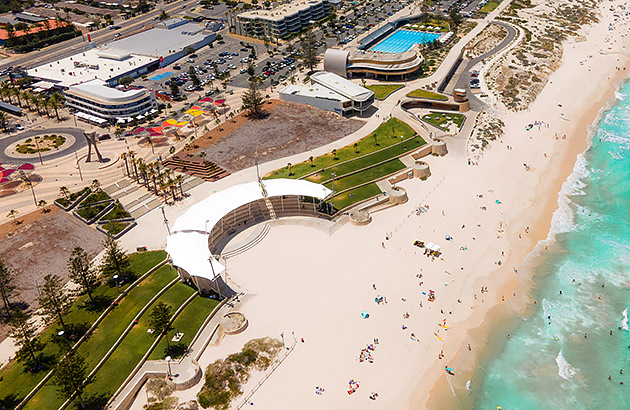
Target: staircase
[(192, 165)]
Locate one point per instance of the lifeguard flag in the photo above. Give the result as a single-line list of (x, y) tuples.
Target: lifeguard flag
[(88, 36), (161, 59)]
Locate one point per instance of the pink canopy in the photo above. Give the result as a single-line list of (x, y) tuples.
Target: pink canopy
[(154, 129), (155, 134), (138, 130), (207, 99), (26, 167), (219, 102), (6, 172), (3, 180)]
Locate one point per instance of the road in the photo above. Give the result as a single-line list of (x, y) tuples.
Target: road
[(102, 36), (464, 80), (79, 142)]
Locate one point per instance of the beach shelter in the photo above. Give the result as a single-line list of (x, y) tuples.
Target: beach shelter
[(26, 167), (365, 314), (219, 102), (169, 123), (138, 130), (3, 180), (206, 100), (430, 245), (435, 248), (5, 173)]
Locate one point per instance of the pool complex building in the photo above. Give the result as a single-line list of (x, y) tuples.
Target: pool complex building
[(402, 40)]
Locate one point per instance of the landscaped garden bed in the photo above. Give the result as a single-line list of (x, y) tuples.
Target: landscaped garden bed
[(94, 206), (41, 143), (70, 200), (445, 121)]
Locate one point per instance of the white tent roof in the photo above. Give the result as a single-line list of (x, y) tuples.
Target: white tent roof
[(205, 214), (188, 245), (189, 251)]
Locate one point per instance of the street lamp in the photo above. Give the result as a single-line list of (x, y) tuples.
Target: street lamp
[(117, 285), (28, 182), (332, 198), (168, 363)]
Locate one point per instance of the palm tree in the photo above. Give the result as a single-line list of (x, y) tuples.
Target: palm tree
[(12, 214), (5, 91), (123, 156), (55, 102), (179, 180), (42, 205), (34, 98), (44, 101), (26, 96), (65, 192), (16, 93)]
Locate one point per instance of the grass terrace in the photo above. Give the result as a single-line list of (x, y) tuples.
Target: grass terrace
[(419, 93), (117, 212), (444, 120), (371, 158), (381, 138), (382, 91), (16, 381), (134, 346)]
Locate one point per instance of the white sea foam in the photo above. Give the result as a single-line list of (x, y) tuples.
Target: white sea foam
[(624, 322), (620, 96), (565, 370), (562, 220), (468, 385)]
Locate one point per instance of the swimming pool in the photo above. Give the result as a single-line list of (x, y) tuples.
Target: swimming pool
[(403, 40), (161, 76)]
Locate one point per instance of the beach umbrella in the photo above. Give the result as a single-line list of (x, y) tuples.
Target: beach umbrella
[(156, 134), (219, 102), (138, 130), (26, 167), (6, 172), (365, 314)]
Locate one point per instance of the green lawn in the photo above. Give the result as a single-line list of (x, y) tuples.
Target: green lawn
[(441, 120), (16, 382), (369, 174), (387, 153), (419, 93), (489, 7), (133, 347), (188, 322), (383, 136), (381, 91), (356, 195)]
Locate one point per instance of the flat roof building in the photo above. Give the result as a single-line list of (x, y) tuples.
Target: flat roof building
[(97, 99), (130, 56), (330, 92), (281, 21)]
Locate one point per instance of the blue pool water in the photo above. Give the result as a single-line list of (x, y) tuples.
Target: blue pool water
[(403, 40), (161, 76), (561, 356)]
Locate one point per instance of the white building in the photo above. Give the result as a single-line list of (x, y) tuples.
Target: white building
[(96, 99), (330, 92), (281, 21), (130, 56)]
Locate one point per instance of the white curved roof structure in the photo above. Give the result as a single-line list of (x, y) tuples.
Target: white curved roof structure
[(188, 243)]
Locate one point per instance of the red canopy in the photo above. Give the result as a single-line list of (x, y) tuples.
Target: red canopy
[(6, 172), (3, 180), (138, 130), (219, 102), (26, 167), (207, 99), (155, 134)]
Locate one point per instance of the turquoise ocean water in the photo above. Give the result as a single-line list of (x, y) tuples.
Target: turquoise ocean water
[(548, 363)]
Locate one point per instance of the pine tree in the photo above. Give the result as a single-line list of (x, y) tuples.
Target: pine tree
[(70, 376), (6, 285), (160, 321), (25, 338), (253, 101), (309, 49), (53, 300), (82, 272), (115, 261)]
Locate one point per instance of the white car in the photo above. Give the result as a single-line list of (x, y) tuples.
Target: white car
[(231, 66), (243, 70)]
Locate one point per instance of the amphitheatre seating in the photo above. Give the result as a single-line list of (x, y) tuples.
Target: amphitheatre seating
[(203, 231), (195, 166)]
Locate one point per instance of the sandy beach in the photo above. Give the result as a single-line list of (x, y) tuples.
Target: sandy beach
[(311, 282)]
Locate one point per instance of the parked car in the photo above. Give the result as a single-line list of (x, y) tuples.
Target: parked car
[(177, 67)]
